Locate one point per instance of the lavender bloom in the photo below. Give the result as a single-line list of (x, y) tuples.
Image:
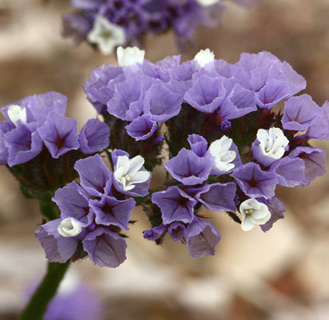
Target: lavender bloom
[(175, 205), (188, 168), (142, 128), (110, 211), (289, 171), (155, 233), (105, 248), (270, 79), (218, 197), (201, 238), (198, 144), (94, 136), (57, 247), (59, 134), (177, 231), (299, 113), (319, 129), (276, 208), (314, 161), (95, 176), (255, 182)]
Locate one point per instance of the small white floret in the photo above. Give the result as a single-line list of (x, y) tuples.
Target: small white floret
[(272, 142), (204, 56), (207, 3), (253, 213), (129, 56), (16, 113), (106, 35), (127, 172), (220, 150), (69, 227)]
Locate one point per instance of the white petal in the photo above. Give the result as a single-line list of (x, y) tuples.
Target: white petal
[(129, 56), (247, 224), (16, 113), (139, 177), (134, 165), (205, 56), (69, 227), (206, 3)]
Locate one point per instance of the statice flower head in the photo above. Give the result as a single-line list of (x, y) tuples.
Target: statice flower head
[(212, 128), (108, 24)]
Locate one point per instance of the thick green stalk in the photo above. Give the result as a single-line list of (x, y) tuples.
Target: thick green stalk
[(38, 303)]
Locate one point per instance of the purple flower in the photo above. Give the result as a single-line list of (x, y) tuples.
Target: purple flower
[(188, 168), (201, 238), (105, 248), (155, 233), (94, 136), (314, 161), (141, 128), (289, 171), (218, 197), (255, 182), (319, 129), (299, 113), (110, 211), (95, 176), (198, 144), (57, 247), (177, 231), (271, 79), (59, 134), (73, 201), (161, 104), (175, 205), (276, 208)]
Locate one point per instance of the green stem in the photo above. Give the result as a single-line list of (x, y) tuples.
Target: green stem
[(38, 303)]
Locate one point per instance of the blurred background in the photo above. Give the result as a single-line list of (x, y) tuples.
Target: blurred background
[(280, 275)]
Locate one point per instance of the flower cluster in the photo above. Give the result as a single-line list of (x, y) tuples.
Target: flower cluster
[(94, 212), (226, 135), (108, 24), (37, 138)]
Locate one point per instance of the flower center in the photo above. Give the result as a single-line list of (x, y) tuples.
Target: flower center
[(249, 211), (126, 177)]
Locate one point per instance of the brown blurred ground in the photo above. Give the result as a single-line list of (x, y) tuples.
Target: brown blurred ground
[(281, 275)]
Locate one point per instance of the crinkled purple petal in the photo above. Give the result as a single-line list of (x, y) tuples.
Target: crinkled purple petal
[(299, 113), (206, 93), (141, 128), (255, 182), (319, 129), (22, 144), (198, 144), (105, 248), (161, 103), (272, 93), (276, 208), (218, 197), (290, 171), (57, 248), (95, 176), (314, 161), (94, 136), (110, 211), (175, 205), (60, 134), (188, 168), (73, 202), (201, 238), (177, 231)]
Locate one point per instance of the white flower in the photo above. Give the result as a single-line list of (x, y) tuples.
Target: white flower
[(253, 212), (204, 56), (220, 150), (106, 35), (272, 143), (127, 172), (16, 113), (69, 227), (129, 56), (206, 3)]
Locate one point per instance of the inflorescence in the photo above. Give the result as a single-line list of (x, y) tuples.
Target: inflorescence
[(225, 134), (107, 24)]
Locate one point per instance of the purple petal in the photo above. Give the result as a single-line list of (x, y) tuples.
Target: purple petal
[(95, 176), (276, 208), (198, 144), (218, 197), (105, 248), (177, 231), (141, 128), (94, 136), (155, 233), (320, 128)]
